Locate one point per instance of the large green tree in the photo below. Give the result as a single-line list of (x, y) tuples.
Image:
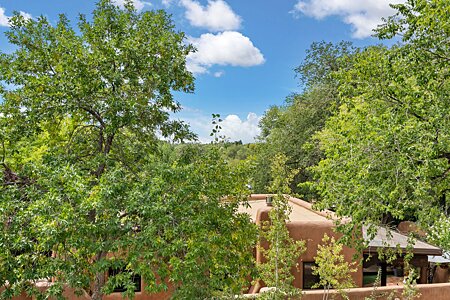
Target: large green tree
[(86, 188), (387, 151), (288, 129)]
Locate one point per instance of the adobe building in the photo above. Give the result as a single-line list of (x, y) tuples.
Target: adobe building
[(310, 225)]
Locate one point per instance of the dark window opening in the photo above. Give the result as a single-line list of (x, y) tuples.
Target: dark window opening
[(309, 279), (371, 272), (134, 277)]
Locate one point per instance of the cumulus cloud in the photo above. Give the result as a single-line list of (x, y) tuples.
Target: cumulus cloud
[(26, 15), (362, 15), (233, 127), (245, 130), (225, 48), (138, 4), (4, 19), (216, 16)]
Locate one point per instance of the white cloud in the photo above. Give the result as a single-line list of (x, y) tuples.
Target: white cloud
[(216, 16), (4, 19), (26, 15), (236, 129), (167, 3), (225, 48), (233, 128), (138, 4), (363, 15), (218, 74)]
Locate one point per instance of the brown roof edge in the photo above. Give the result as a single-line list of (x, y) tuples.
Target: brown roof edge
[(437, 252), (258, 196), (324, 213)]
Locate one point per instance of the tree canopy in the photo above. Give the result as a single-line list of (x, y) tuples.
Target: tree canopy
[(87, 187), (387, 150), (288, 129)]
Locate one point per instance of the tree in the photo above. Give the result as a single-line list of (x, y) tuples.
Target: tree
[(282, 252), (387, 154), (114, 80), (322, 61), (86, 186), (332, 269), (289, 129)]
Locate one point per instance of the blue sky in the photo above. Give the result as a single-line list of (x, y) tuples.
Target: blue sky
[(247, 49)]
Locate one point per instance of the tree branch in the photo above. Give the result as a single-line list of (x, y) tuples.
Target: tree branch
[(72, 134), (396, 100), (3, 152), (95, 114), (438, 55)]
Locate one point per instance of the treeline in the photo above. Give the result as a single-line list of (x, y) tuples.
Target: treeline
[(289, 129)]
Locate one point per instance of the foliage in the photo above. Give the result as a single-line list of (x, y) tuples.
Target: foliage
[(183, 234), (282, 252), (322, 61), (216, 121), (410, 290), (333, 270), (439, 233), (84, 177), (288, 129), (387, 150), (377, 283)]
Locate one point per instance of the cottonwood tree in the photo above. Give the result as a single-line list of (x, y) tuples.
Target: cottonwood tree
[(84, 190)]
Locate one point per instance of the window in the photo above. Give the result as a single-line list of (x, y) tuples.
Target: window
[(135, 278), (308, 278)]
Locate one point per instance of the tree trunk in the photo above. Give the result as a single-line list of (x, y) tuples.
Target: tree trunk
[(99, 281), (100, 277), (106, 150)]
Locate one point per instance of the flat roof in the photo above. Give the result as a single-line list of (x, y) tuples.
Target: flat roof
[(386, 238), (299, 213), (303, 211)]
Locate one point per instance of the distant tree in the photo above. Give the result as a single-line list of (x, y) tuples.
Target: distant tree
[(289, 129), (322, 61)]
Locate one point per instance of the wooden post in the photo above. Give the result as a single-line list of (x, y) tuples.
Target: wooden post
[(423, 274), (383, 266)]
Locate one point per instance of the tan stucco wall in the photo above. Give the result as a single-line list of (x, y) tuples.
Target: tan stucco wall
[(69, 294), (438, 291), (312, 233)]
